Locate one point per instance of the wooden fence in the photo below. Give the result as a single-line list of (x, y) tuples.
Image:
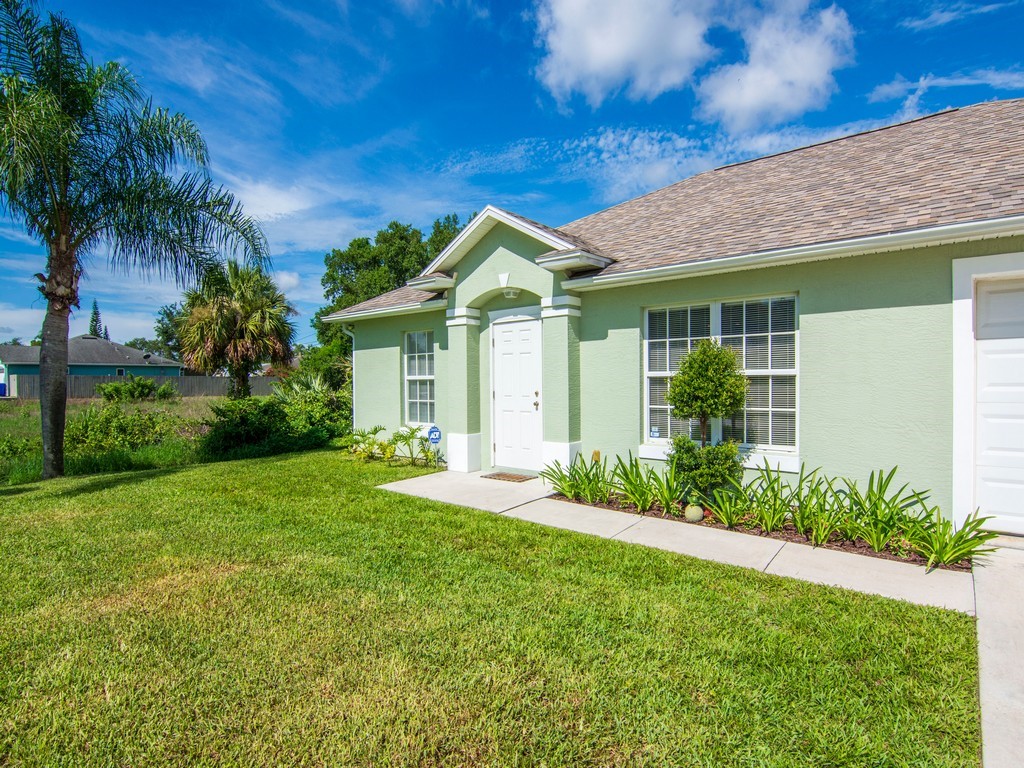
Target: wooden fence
[(83, 387)]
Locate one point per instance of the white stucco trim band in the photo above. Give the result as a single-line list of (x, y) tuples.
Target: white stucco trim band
[(462, 316), (464, 451), (966, 274), (564, 453), (917, 238), (783, 462)]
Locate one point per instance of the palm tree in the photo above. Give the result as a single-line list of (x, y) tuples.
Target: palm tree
[(236, 321), (87, 163)]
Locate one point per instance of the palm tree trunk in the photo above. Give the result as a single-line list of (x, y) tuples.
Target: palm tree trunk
[(53, 381), (61, 291), (239, 383)]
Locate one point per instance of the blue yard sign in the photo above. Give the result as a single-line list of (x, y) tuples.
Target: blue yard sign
[(434, 435)]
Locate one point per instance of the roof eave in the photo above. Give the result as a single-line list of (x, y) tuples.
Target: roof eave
[(401, 309), (573, 260), (432, 283), (895, 241)]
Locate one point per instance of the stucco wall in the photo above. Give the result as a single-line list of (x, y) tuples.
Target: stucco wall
[(875, 355)]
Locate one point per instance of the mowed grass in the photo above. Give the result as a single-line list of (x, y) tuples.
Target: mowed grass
[(284, 611)]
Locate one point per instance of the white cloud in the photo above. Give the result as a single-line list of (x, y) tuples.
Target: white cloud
[(625, 162), (900, 87), (597, 47), (791, 56), (947, 14)]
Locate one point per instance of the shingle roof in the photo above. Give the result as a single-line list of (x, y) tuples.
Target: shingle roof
[(10, 353), (89, 350), (396, 298), (952, 167), (569, 237)]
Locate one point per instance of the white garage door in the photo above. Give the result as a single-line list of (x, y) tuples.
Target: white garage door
[(999, 456)]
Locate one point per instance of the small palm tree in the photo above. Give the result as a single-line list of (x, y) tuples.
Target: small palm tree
[(87, 165), (236, 321)]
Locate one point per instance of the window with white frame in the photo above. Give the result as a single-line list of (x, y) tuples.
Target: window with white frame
[(419, 377), (671, 333), (764, 334)]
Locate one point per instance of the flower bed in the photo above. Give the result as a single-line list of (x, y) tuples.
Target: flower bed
[(877, 521)]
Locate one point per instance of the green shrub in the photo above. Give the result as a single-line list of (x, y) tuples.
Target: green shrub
[(769, 499), (131, 390), (633, 480), (12, 448), (705, 469), (252, 426), (110, 427), (166, 391), (933, 537), (669, 490), (581, 480), (367, 445), (730, 506), (311, 404)]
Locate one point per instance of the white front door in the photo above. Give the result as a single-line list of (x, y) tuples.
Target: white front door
[(518, 431), (999, 442)]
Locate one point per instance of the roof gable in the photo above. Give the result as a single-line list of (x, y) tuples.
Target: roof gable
[(484, 222)]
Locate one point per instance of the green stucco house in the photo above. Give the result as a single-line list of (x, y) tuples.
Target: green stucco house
[(873, 286), (87, 356)]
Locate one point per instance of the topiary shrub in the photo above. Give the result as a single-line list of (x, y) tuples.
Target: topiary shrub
[(709, 385), (705, 469)]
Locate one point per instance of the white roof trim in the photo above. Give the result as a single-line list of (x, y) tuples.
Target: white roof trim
[(431, 283), (917, 238), (480, 226), (577, 258), (402, 309)]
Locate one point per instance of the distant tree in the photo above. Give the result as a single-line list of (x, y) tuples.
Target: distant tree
[(166, 330), (236, 321), (444, 231), (90, 166), (37, 340), (106, 333), (95, 321), (15, 341), (368, 268)]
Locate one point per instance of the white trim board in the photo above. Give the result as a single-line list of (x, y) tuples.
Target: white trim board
[(966, 274)]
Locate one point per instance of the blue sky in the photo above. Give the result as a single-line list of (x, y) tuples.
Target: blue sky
[(329, 118)]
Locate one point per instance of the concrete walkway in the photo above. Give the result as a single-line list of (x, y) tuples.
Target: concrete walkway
[(994, 592), (999, 587), (527, 501)]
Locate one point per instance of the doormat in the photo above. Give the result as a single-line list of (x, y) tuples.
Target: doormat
[(509, 477)]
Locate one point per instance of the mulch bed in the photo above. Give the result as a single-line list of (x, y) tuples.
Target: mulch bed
[(787, 534)]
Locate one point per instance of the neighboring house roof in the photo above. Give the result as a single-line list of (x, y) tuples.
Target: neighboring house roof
[(90, 350), (16, 354), (954, 167)]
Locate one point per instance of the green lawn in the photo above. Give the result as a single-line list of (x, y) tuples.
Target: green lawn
[(284, 611)]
